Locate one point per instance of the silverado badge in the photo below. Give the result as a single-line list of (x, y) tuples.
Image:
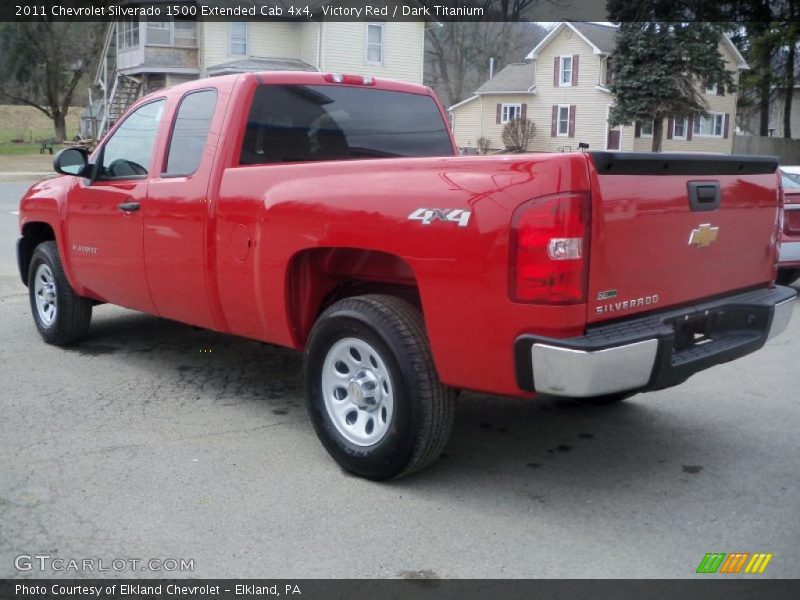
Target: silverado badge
[(703, 236)]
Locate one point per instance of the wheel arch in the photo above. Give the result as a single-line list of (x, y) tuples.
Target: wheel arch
[(33, 234), (318, 277)]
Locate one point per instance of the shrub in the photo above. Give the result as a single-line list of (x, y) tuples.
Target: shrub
[(518, 133), (484, 144)]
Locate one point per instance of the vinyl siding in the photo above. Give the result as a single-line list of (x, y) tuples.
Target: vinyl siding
[(344, 50), (590, 102), (591, 107), (467, 124), (488, 119), (266, 40), (309, 36)]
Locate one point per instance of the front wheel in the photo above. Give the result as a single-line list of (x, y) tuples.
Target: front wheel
[(373, 394), (61, 316)]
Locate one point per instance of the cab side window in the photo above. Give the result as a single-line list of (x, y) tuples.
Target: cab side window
[(128, 152), (190, 133)]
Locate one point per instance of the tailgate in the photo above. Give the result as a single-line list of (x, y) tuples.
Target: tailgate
[(670, 229)]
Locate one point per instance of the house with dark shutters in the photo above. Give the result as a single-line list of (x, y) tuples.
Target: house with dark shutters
[(562, 86)]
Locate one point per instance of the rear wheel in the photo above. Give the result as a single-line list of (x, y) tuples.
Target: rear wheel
[(373, 394), (61, 316), (787, 276)]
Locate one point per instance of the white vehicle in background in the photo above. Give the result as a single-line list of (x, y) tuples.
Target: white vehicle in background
[(789, 258)]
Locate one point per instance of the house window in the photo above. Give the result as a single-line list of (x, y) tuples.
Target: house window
[(510, 112), (158, 32), (609, 71), (238, 34), (680, 127), (184, 33), (646, 129), (710, 126), (563, 120), (172, 33), (128, 33), (565, 75), (711, 89), (374, 47)]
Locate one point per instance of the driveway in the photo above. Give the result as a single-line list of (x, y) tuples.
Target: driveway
[(158, 440)]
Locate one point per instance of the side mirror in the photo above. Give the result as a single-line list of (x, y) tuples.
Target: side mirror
[(72, 161)]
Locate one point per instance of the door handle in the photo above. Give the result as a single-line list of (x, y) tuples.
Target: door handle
[(128, 207)]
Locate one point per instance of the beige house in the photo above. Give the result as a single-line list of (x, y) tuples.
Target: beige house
[(563, 88), (141, 56)]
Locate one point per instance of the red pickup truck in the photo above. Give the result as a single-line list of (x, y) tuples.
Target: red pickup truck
[(329, 213)]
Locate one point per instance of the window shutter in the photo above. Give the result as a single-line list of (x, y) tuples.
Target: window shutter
[(637, 130), (499, 113), (727, 118), (524, 111), (670, 127), (571, 120), (553, 121), (689, 128), (556, 66), (575, 58)]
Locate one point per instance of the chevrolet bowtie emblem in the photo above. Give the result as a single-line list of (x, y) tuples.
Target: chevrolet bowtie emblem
[(703, 236)]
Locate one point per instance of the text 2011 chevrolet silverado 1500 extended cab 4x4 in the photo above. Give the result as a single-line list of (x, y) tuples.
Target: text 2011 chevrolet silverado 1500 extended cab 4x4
[(329, 214)]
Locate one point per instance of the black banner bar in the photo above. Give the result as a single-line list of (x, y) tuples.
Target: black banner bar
[(433, 11), (309, 10)]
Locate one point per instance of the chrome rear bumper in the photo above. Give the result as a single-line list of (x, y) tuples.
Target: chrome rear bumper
[(656, 351), (790, 253)]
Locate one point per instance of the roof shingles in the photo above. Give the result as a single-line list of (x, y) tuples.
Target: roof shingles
[(516, 77)]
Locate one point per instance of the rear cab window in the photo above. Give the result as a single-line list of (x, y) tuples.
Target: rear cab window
[(303, 123)]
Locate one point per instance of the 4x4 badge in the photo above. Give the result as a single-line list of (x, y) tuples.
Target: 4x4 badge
[(448, 215)]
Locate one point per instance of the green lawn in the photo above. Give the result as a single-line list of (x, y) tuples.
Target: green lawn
[(9, 149), (30, 127)]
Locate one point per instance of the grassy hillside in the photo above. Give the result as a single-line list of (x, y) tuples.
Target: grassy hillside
[(29, 125)]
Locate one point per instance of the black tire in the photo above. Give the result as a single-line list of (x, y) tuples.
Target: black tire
[(605, 399), (787, 276), (422, 407), (72, 313)]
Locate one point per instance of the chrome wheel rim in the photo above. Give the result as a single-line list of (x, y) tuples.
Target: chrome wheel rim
[(358, 391), (44, 290)]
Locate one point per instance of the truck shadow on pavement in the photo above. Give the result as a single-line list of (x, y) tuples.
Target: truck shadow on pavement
[(496, 441)]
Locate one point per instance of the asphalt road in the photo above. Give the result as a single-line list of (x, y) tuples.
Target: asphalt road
[(158, 440)]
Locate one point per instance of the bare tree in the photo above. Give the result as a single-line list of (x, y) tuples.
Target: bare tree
[(457, 54), (42, 62), (518, 133)]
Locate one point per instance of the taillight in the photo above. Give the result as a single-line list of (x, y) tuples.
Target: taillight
[(791, 219), (349, 79), (549, 250)]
